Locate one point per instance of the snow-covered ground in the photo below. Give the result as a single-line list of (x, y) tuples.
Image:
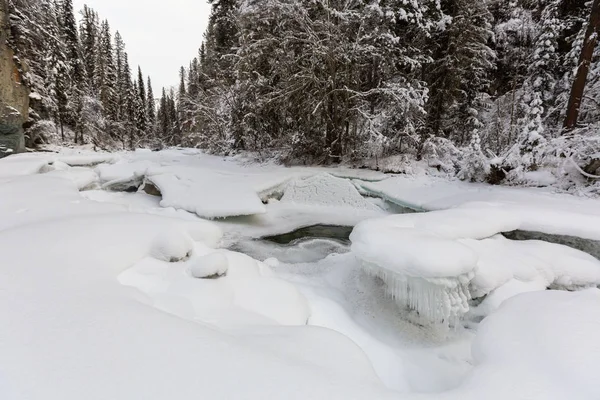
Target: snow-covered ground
[(144, 276)]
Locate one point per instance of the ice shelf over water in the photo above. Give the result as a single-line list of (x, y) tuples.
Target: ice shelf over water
[(435, 262)]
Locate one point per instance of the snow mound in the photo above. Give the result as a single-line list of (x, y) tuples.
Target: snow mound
[(246, 294), (325, 190), (435, 262), (545, 344), (212, 265), (172, 245), (206, 193)]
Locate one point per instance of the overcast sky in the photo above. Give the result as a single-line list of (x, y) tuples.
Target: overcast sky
[(160, 35)]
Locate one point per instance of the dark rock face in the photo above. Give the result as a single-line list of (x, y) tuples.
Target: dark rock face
[(14, 95)]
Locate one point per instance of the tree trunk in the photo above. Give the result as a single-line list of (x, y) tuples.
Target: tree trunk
[(585, 59)]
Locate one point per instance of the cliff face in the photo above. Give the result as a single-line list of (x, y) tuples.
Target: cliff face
[(14, 95)]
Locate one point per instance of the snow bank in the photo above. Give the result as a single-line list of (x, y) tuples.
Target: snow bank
[(545, 344), (23, 164), (436, 262), (325, 190)]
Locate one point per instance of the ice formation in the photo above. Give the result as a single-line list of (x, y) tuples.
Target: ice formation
[(435, 262), (439, 300)]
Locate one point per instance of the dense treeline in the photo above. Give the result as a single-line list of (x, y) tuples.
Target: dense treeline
[(474, 87), (80, 78), (492, 89)]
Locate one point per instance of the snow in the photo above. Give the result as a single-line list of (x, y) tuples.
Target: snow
[(545, 344), (528, 208), (435, 262), (210, 265), (172, 246), (246, 295), (325, 190), (206, 194), (100, 289)]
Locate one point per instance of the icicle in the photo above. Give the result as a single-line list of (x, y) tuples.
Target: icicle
[(441, 301)]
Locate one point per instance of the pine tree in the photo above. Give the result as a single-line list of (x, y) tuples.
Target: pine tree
[(174, 120), (151, 108), (163, 117), (108, 82), (89, 40), (77, 84), (141, 103)]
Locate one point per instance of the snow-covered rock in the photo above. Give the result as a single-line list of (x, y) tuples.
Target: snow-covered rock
[(206, 193), (173, 245), (212, 265)]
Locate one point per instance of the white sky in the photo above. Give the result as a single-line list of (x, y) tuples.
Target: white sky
[(160, 35)]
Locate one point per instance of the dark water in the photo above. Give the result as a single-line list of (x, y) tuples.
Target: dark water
[(589, 246), (339, 233)]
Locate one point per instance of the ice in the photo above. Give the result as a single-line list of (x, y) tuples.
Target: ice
[(435, 262), (395, 244), (325, 190), (440, 301), (209, 266)]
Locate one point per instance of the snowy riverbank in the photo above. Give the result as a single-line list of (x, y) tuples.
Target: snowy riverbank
[(115, 284)]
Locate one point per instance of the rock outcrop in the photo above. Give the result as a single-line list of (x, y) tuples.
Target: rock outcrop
[(14, 95)]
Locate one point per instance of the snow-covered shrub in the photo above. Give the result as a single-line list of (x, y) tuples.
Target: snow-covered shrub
[(41, 132), (441, 153), (474, 165)]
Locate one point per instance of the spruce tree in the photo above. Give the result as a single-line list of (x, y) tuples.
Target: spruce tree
[(141, 103), (151, 108), (77, 84), (89, 41), (108, 83)]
